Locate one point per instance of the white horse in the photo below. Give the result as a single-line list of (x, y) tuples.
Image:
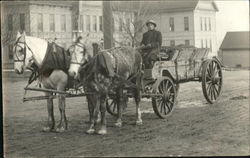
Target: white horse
[(29, 50)]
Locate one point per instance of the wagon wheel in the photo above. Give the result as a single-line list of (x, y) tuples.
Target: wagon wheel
[(163, 104), (211, 80), (111, 106)]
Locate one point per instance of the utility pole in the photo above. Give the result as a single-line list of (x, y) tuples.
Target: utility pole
[(75, 19), (107, 24)]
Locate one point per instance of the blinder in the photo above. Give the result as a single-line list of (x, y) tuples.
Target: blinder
[(76, 61), (17, 44), (24, 50)]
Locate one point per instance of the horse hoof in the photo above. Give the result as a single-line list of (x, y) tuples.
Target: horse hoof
[(139, 122), (98, 121), (47, 129), (60, 130), (118, 124), (90, 131), (102, 132)]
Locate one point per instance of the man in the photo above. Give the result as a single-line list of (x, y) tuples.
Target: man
[(150, 44)]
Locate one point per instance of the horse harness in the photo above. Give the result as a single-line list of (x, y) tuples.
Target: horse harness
[(116, 76), (77, 62), (33, 68)]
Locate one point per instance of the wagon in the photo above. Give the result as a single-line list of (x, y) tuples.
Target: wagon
[(176, 65)]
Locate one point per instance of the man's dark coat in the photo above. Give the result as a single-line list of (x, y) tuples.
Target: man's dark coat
[(152, 41)]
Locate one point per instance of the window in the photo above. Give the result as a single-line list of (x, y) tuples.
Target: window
[(205, 19), (52, 22), (209, 24), (88, 23), (187, 43), (211, 44), (81, 22), (100, 23), (120, 24), (94, 23), (201, 43), (186, 24), (63, 23), (206, 44), (113, 24), (238, 65), (128, 23), (22, 22), (10, 47), (171, 24), (172, 43), (201, 24), (40, 22), (10, 22)]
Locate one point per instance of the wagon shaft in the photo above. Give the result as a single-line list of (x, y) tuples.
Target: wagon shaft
[(46, 90)]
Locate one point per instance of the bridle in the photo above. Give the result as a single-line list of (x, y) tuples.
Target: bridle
[(17, 44), (75, 57)]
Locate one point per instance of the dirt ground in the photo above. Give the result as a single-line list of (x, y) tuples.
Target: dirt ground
[(195, 128)]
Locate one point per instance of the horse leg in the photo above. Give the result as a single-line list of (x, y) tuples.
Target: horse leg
[(137, 97), (103, 129), (95, 103), (119, 96), (63, 125), (91, 107), (51, 120)]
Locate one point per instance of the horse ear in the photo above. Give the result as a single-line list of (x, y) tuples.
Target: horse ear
[(18, 34)]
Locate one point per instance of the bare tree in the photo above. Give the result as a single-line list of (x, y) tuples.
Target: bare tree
[(131, 17)]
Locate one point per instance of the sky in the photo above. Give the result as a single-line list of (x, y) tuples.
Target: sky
[(232, 16)]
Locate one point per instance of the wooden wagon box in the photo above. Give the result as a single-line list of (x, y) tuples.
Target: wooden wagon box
[(184, 64)]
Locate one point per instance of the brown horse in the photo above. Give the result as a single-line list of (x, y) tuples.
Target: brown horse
[(53, 72), (109, 73)]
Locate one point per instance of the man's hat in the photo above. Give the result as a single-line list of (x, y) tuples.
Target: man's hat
[(152, 22)]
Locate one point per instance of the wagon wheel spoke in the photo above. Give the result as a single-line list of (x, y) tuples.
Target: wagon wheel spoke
[(216, 71), (165, 111), (159, 102), (212, 93), (169, 109), (215, 93), (209, 90), (171, 94), (208, 82), (168, 90), (208, 74), (216, 90), (161, 106), (218, 84), (166, 85), (208, 87), (171, 102)]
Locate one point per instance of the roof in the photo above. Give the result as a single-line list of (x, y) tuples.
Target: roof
[(41, 2), (236, 40), (161, 5)]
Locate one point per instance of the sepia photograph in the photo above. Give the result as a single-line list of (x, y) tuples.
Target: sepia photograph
[(144, 78)]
